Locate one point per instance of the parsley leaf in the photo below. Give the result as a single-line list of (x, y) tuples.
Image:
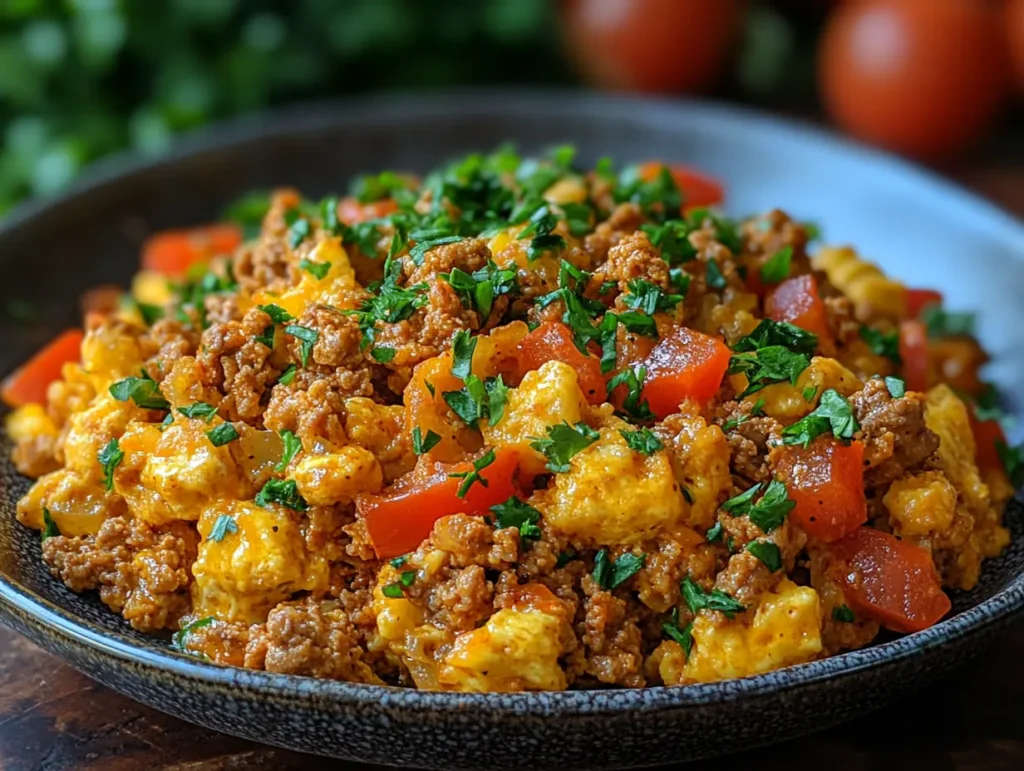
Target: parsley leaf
[(516, 513), (833, 413), (563, 442), (50, 529), (479, 288), (109, 457), (308, 338), (469, 403), (672, 237), (768, 553), (288, 375), (198, 410), (612, 575), (633, 380), (714, 533), (776, 269), (942, 323), (463, 346), (772, 333), (774, 364), (422, 444), (292, 447), (497, 397), (469, 477), (277, 314), (222, 434), (316, 269), (769, 512), (843, 614), (714, 277), (392, 591), (391, 303), (683, 636), (659, 198), (885, 344), (697, 599), (282, 491), (643, 440), (179, 638), (382, 353), (266, 336), (648, 298), (142, 390), (897, 387), (299, 227), (225, 524)]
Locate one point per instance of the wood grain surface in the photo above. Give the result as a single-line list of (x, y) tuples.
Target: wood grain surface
[(52, 717)]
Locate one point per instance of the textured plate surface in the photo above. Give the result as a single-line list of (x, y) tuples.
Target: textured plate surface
[(919, 227)]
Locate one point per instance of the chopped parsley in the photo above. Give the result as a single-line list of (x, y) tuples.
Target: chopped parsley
[(579, 309), (393, 591), (648, 298), (299, 228), (277, 314), (50, 529), (776, 269), (942, 323), (142, 390), (768, 553), (769, 512), (774, 364), (281, 491), (833, 413), (540, 229), (681, 635), (397, 562), (473, 475), (885, 344), (714, 277), (516, 513), (382, 353), (179, 638), (697, 599), (563, 442), (390, 302), (109, 457), (222, 434), (422, 444), (288, 375), (633, 404), (150, 313), (224, 525), (292, 445), (307, 337), (463, 346), (611, 575), (659, 198), (407, 578), (843, 614), (480, 288), (897, 388), (672, 237), (642, 440), (200, 410), (714, 533), (478, 399), (809, 393), (565, 557), (318, 270), (772, 333)]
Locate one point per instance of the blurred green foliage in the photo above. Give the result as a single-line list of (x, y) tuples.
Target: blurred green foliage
[(82, 78)]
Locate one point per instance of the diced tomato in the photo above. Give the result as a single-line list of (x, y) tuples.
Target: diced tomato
[(173, 252), (552, 341), (685, 365), (28, 384), (350, 211), (400, 518), (891, 581), (797, 301), (826, 482), (914, 353), (916, 300), (698, 189), (987, 433)]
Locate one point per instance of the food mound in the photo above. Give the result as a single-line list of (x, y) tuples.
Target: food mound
[(511, 427)]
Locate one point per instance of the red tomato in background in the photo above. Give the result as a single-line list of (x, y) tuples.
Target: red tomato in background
[(1013, 27), (651, 45), (923, 77)]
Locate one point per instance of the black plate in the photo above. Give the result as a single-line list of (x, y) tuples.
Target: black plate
[(920, 227)]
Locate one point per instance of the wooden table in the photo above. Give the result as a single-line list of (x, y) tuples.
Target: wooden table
[(52, 717)]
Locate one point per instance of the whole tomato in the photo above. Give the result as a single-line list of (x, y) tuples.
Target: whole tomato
[(922, 77), (651, 45), (1013, 25)]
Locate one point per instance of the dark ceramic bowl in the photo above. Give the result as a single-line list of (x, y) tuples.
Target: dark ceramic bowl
[(921, 228)]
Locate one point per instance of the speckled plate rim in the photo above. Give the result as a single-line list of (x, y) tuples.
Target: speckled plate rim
[(998, 610)]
